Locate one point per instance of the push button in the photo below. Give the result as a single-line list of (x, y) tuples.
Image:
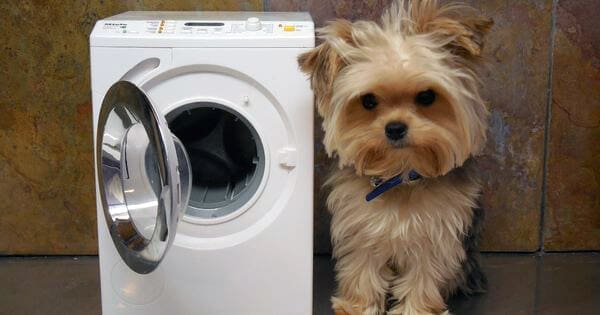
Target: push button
[(289, 28)]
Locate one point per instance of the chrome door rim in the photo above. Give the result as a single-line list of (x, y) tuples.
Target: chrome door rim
[(140, 253)]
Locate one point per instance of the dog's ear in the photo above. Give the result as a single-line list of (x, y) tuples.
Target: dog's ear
[(324, 62), (460, 26), (465, 34)]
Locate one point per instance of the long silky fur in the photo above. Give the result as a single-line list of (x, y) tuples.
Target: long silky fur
[(415, 244)]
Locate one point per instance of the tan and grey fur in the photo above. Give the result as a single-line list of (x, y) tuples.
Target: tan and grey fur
[(415, 243)]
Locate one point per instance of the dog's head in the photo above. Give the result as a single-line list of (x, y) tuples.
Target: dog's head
[(402, 94)]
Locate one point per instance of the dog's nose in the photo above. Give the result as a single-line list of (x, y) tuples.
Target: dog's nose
[(395, 130)]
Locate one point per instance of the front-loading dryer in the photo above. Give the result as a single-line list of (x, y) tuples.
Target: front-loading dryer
[(204, 161)]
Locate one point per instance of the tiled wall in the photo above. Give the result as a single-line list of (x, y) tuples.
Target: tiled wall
[(537, 49), (572, 216)]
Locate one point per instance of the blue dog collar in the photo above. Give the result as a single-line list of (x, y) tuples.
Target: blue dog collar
[(381, 187)]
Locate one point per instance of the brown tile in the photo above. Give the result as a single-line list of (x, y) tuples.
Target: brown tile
[(516, 86), (49, 286), (569, 284), (46, 129), (572, 221), (46, 156), (323, 11), (204, 5), (45, 125)]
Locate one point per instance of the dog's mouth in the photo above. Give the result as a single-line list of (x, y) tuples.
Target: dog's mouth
[(398, 144), (384, 160)]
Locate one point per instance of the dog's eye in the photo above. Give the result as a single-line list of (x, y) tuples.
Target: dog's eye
[(425, 98), (369, 101)]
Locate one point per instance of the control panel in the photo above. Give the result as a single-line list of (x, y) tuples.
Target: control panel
[(253, 26)]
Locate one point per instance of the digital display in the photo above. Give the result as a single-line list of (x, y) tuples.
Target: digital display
[(204, 24)]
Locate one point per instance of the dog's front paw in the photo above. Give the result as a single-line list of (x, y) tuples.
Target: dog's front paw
[(343, 307)]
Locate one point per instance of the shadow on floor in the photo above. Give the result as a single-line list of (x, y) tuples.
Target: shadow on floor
[(561, 284)]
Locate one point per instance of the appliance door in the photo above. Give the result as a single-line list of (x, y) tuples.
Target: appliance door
[(144, 176)]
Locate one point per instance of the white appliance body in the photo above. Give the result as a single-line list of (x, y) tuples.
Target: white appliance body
[(257, 257)]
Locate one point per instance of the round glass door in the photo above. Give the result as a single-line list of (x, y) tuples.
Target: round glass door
[(143, 174)]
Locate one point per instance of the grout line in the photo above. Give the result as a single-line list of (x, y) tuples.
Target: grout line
[(532, 254), (578, 252), (544, 198), (524, 254)]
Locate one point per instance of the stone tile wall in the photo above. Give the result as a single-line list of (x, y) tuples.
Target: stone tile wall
[(537, 49), (47, 203), (572, 216)]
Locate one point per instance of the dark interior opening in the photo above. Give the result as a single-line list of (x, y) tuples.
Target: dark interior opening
[(225, 155)]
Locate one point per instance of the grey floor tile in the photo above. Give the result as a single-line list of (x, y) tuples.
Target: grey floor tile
[(512, 280), (511, 288), (569, 284), (49, 286)]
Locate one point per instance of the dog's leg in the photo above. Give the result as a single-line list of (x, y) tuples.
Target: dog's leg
[(472, 280), (422, 286), (363, 279)]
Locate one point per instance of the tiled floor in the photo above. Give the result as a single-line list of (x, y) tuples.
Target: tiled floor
[(553, 284), (561, 284)]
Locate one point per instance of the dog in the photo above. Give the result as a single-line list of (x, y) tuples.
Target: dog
[(403, 115)]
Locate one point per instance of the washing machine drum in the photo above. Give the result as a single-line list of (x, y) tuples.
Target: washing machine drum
[(220, 146), (226, 155)]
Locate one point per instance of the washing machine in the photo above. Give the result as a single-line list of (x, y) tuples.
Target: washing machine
[(203, 137)]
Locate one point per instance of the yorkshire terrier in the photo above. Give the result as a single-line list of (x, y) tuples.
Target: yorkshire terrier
[(403, 114)]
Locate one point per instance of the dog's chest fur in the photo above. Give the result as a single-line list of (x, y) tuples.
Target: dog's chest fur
[(418, 220)]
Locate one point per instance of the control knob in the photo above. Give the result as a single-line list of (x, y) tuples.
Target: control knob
[(253, 24)]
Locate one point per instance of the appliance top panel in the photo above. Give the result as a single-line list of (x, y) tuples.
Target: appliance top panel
[(204, 29)]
